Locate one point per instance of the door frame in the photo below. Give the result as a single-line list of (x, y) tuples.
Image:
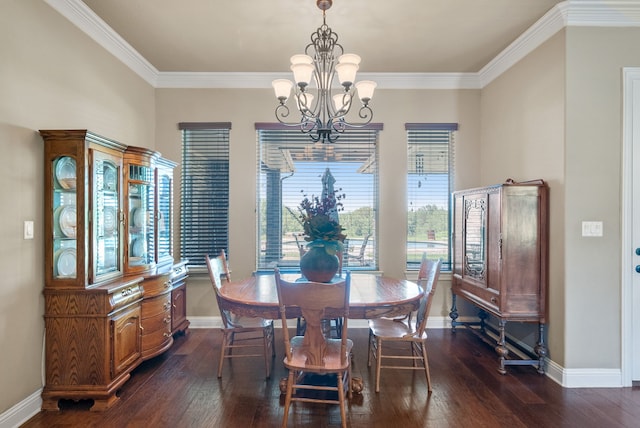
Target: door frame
[(630, 311)]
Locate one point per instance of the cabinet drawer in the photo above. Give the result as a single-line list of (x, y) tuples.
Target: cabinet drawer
[(156, 305), (483, 297), (161, 321), (155, 340), (156, 285)]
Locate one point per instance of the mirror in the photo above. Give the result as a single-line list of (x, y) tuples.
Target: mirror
[(474, 261)]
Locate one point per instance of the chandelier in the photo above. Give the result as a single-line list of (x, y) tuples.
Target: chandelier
[(323, 107)]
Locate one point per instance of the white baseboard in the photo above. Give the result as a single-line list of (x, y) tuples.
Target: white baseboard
[(590, 378), (567, 378), (22, 412), (216, 322)]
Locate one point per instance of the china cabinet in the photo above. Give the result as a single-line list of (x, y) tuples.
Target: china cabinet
[(110, 279), (500, 259)]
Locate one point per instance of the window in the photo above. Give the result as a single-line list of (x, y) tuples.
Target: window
[(204, 204), (429, 187), (291, 166)]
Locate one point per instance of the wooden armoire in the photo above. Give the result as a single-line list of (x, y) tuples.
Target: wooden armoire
[(500, 259)]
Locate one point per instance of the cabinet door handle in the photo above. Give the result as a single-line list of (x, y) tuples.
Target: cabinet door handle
[(494, 300), (167, 320)]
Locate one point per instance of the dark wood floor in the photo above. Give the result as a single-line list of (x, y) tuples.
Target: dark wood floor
[(180, 389)]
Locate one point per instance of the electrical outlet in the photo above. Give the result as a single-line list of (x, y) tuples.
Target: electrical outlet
[(592, 228)]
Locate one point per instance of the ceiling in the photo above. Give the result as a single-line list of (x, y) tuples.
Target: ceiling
[(404, 43), (259, 36), (414, 36)]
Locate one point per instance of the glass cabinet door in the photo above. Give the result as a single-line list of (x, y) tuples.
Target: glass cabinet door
[(140, 217), (65, 218), (164, 216), (475, 224), (106, 216)]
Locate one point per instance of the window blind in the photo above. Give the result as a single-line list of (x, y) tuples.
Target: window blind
[(290, 167), (204, 204), (429, 186)]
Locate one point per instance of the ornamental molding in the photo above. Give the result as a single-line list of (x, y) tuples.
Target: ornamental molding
[(581, 13)]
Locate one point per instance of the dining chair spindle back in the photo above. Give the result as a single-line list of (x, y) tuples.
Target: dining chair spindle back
[(241, 336), (313, 360), (410, 329)]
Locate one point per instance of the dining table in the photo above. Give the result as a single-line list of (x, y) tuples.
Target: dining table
[(371, 296)]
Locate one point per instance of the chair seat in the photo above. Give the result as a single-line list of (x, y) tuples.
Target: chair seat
[(390, 329), (237, 321), (331, 360)]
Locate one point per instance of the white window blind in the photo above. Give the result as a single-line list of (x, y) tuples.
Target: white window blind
[(291, 166), (429, 186), (204, 203)]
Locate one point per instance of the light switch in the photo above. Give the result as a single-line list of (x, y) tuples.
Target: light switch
[(28, 229), (592, 228)]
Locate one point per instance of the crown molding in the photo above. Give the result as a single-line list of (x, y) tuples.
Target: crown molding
[(600, 13), (583, 13), (263, 80), (552, 22), (93, 26), (603, 13)]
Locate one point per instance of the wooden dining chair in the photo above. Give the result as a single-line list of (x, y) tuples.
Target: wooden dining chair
[(239, 333), (410, 330), (313, 360)]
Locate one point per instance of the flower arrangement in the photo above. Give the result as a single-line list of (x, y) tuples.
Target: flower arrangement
[(318, 217)]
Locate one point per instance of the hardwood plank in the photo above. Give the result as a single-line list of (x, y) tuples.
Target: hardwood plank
[(180, 389)]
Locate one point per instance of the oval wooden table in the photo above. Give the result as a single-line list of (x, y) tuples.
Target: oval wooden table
[(372, 296)]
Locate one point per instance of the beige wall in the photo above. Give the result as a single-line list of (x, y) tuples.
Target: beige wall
[(245, 107), (55, 77), (523, 139), (593, 161), (51, 76), (555, 115)]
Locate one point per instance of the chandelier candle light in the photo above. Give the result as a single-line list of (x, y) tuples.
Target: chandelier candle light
[(322, 112)]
